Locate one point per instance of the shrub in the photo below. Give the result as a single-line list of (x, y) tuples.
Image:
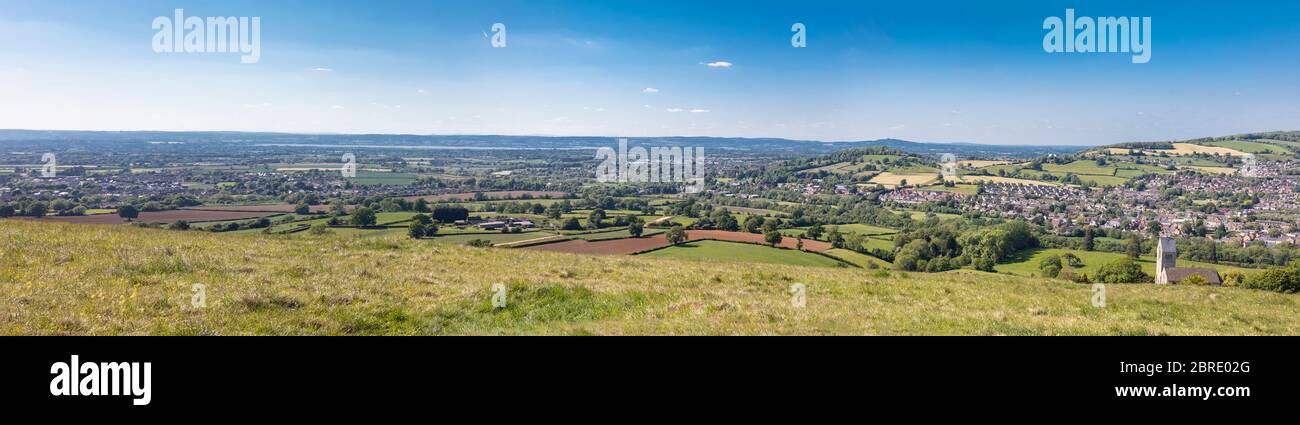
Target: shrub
[(480, 243), (416, 230), (1050, 265), (1285, 280), (1195, 279), (1233, 279), (1123, 270)]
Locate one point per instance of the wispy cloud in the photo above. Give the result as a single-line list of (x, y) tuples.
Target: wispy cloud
[(649, 90), (719, 64), (320, 69), (699, 111), (674, 109)]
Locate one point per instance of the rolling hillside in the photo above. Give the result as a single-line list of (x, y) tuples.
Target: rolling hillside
[(85, 279)]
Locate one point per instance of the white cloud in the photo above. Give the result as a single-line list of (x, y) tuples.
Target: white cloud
[(650, 90), (319, 69), (420, 91), (699, 111), (338, 107), (719, 64), (674, 109)]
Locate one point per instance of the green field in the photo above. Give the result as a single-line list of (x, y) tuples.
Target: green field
[(713, 251), (1089, 167), (1101, 180), (1252, 147), (617, 234), (914, 169), (920, 216), (369, 178), (1026, 263), (862, 229), (858, 259), (132, 281), (495, 238), (965, 189)]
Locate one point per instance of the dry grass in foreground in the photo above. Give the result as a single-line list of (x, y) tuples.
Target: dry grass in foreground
[(80, 279)]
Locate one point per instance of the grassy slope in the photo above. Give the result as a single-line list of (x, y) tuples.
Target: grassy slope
[(1026, 262), (61, 278)]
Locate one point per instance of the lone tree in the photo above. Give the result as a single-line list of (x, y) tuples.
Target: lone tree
[(772, 237), (302, 209), (129, 212), (636, 227), (676, 235), (363, 217), (416, 230), (1134, 248)]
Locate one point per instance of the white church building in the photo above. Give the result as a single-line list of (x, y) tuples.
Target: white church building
[(1168, 272)]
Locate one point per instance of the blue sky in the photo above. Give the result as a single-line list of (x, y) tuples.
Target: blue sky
[(959, 71)]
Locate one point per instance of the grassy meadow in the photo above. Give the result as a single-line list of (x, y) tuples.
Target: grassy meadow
[(108, 280), (720, 251), (1025, 263)]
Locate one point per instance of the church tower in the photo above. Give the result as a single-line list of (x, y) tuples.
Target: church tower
[(1166, 258)]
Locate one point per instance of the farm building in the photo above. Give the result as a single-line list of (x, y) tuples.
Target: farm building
[(506, 222)]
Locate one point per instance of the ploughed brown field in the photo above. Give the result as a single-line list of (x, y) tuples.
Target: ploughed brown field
[(192, 216), (270, 208), (511, 194), (634, 245)]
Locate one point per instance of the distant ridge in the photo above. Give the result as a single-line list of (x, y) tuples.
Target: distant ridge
[(807, 147)]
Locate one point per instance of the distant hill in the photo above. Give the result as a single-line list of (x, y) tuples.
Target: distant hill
[(86, 139), (1283, 138)]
